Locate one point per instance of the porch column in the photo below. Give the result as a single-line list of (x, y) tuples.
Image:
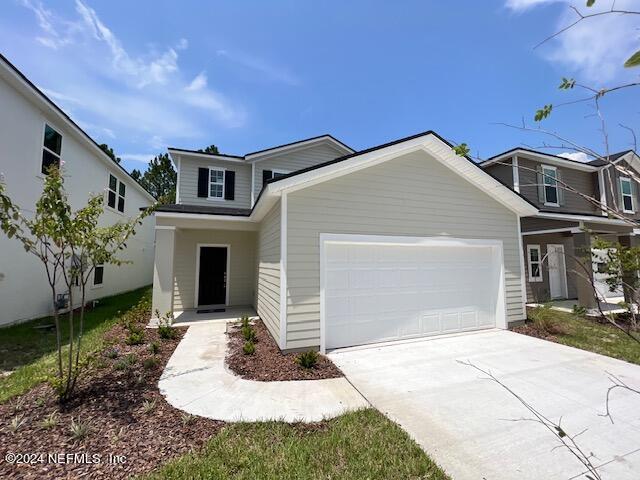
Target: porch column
[(163, 270), (584, 273), (628, 277)]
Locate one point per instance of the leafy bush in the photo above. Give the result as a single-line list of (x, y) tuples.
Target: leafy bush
[(149, 363), (249, 348), (154, 347), (165, 321), (135, 338), (248, 333), (546, 320), (244, 321), (307, 359)]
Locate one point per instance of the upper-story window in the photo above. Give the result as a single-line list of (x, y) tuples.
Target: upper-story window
[(216, 183), (51, 148), (116, 193), (550, 177), (626, 194)]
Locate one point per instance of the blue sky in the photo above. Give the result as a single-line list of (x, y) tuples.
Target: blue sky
[(246, 75)]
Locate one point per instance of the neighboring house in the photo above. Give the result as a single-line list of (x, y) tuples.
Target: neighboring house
[(559, 237), (35, 133), (335, 248)]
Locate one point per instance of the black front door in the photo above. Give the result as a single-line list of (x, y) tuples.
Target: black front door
[(212, 278)]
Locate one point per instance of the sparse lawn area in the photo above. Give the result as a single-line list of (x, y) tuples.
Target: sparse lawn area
[(358, 445), (601, 338), (31, 352)]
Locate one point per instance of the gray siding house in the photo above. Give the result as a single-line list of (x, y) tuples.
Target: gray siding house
[(560, 260), (333, 247)]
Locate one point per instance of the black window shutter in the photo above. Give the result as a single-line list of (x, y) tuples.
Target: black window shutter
[(266, 175), (203, 182), (229, 184)]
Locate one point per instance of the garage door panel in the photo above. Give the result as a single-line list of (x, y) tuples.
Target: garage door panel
[(379, 292)]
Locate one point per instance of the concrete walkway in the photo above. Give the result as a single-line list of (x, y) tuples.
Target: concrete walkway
[(197, 381), (466, 423)]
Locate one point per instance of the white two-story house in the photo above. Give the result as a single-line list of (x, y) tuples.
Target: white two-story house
[(35, 133)]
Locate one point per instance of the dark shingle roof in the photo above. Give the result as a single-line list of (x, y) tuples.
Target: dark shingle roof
[(204, 210), (598, 162)]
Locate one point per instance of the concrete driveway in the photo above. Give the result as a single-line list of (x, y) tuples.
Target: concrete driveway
[(466, 422)]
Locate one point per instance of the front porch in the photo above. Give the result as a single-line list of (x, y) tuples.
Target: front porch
[(561, 264), (205, 268)]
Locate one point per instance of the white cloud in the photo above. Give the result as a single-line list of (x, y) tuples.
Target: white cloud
[(595, 49), (137, 157), (142, 99), (577, 156), (198, 83), (272, 72)]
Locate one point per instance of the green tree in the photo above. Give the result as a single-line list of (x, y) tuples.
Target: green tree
[(159, 179), (109, 151), (69, 244), (210, 149)]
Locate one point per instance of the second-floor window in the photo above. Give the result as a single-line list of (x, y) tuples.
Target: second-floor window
[(626, 195), (216, 183), (51, 148), (116, 193), (550, 175)]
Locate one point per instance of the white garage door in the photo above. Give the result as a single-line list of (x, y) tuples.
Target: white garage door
[(402, 287)]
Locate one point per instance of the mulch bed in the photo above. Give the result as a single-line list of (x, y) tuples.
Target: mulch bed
[(269, 364), (528, 329), (111, 401)]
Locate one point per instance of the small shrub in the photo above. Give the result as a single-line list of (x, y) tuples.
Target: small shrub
[(140, 378), (165, 331), (579, 310), (149, 363), (249, 348), (546, 320), (307, 359), (187, 418), (50, 420), (148, 406), (154, 347), (17, 422), (112, 353), (248, 333), (118, 435), (79, 429), (125, 363), (244, 321), (135, 338)]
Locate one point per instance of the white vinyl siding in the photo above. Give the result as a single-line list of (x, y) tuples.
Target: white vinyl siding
[(188, 179), (241, 275), (295, 160), (412, 195), (268, 290)]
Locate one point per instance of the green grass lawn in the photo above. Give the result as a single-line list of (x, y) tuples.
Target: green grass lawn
[(31, 353), (358, 445), (596, 337)]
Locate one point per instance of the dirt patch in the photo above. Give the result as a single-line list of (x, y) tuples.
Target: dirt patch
[(131, 428), (269, 364), (529, 329)]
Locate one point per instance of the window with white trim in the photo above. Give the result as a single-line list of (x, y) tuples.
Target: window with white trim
[(626, 194), (116, 193), (216, 183), (98, 275), (51, 149), (549, 180), (534, 259)]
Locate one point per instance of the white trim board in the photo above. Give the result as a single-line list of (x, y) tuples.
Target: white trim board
[(500, 310), (283, 272), (197, 280)]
